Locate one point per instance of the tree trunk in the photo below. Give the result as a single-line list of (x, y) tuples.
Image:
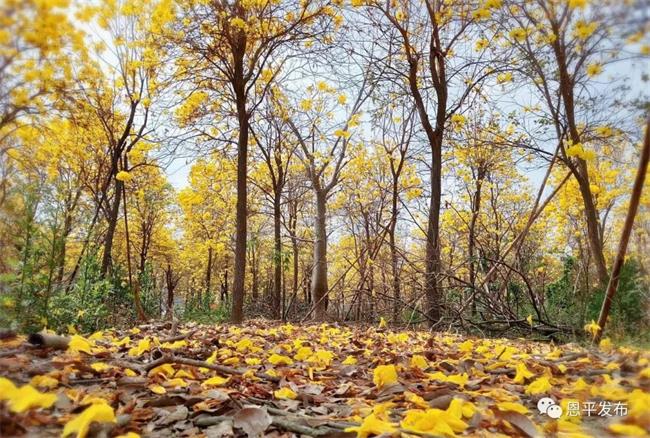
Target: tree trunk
[(208, 273), (237, 314), (294, 245), (432, 255), (277, 257), (169, 277), (224, 286), (112, 224), (591, 217), (319, 271), (471, 245), (581, 173), (67, 229), (394, 257), (255, 285)]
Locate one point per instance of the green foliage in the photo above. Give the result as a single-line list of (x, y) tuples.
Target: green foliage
[(562, 300), (202, 308), (627, 311), (150, 297)]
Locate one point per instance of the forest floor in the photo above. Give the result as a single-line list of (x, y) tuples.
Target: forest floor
[(267, 379)]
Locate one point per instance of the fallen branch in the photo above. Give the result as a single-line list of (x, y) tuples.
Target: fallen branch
[(279, 422), (47, 340), (202, 364), (177, 337)]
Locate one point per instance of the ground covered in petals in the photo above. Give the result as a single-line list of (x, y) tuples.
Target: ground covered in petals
[(267, 379)]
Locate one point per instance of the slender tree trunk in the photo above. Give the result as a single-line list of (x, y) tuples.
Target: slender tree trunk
[(67, 229), (394, 257), (224, 286), (112, 224), (254, 272), (635, 200), (319, 286), (432, 254), (171, 285), (136, 289), (208, 273), (434, 137), (237, 314), (581, 173), (591, 217), (294, 245), (277, 257), (476, 208)]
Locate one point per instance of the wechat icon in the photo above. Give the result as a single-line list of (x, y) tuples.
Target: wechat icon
[(548, 407)]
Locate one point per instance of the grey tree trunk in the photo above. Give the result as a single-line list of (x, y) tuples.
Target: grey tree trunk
[(277, 271), (319, 286), (112, 224)]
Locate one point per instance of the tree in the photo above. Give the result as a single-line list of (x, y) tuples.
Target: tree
[(432, 48), (562, 48), (230, 53), (323, 146), (275, 146)]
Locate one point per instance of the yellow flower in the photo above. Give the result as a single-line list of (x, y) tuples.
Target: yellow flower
[(419, 361), (243, 345), (583, 30), (384, 375), (518, 34), (604, 131), (321, 357), (372, 425), (285, 394), (577, 3), (143, 346), (123, 176), (165, 369), (277, 359), (215, 381), (514, 407), (592, 328), (342, 99), (24, 398), (400, 15), (44, 382), (432, 421), (79, 344), (416, 400), (342, 133), (306, 104), (539, 386), (594, 70), (493, 4), (627, 429), (458, 119), (99, 412), (504, 77), (481, 44), (238, 22), (266, 75), (303, 353), (481, 14)]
